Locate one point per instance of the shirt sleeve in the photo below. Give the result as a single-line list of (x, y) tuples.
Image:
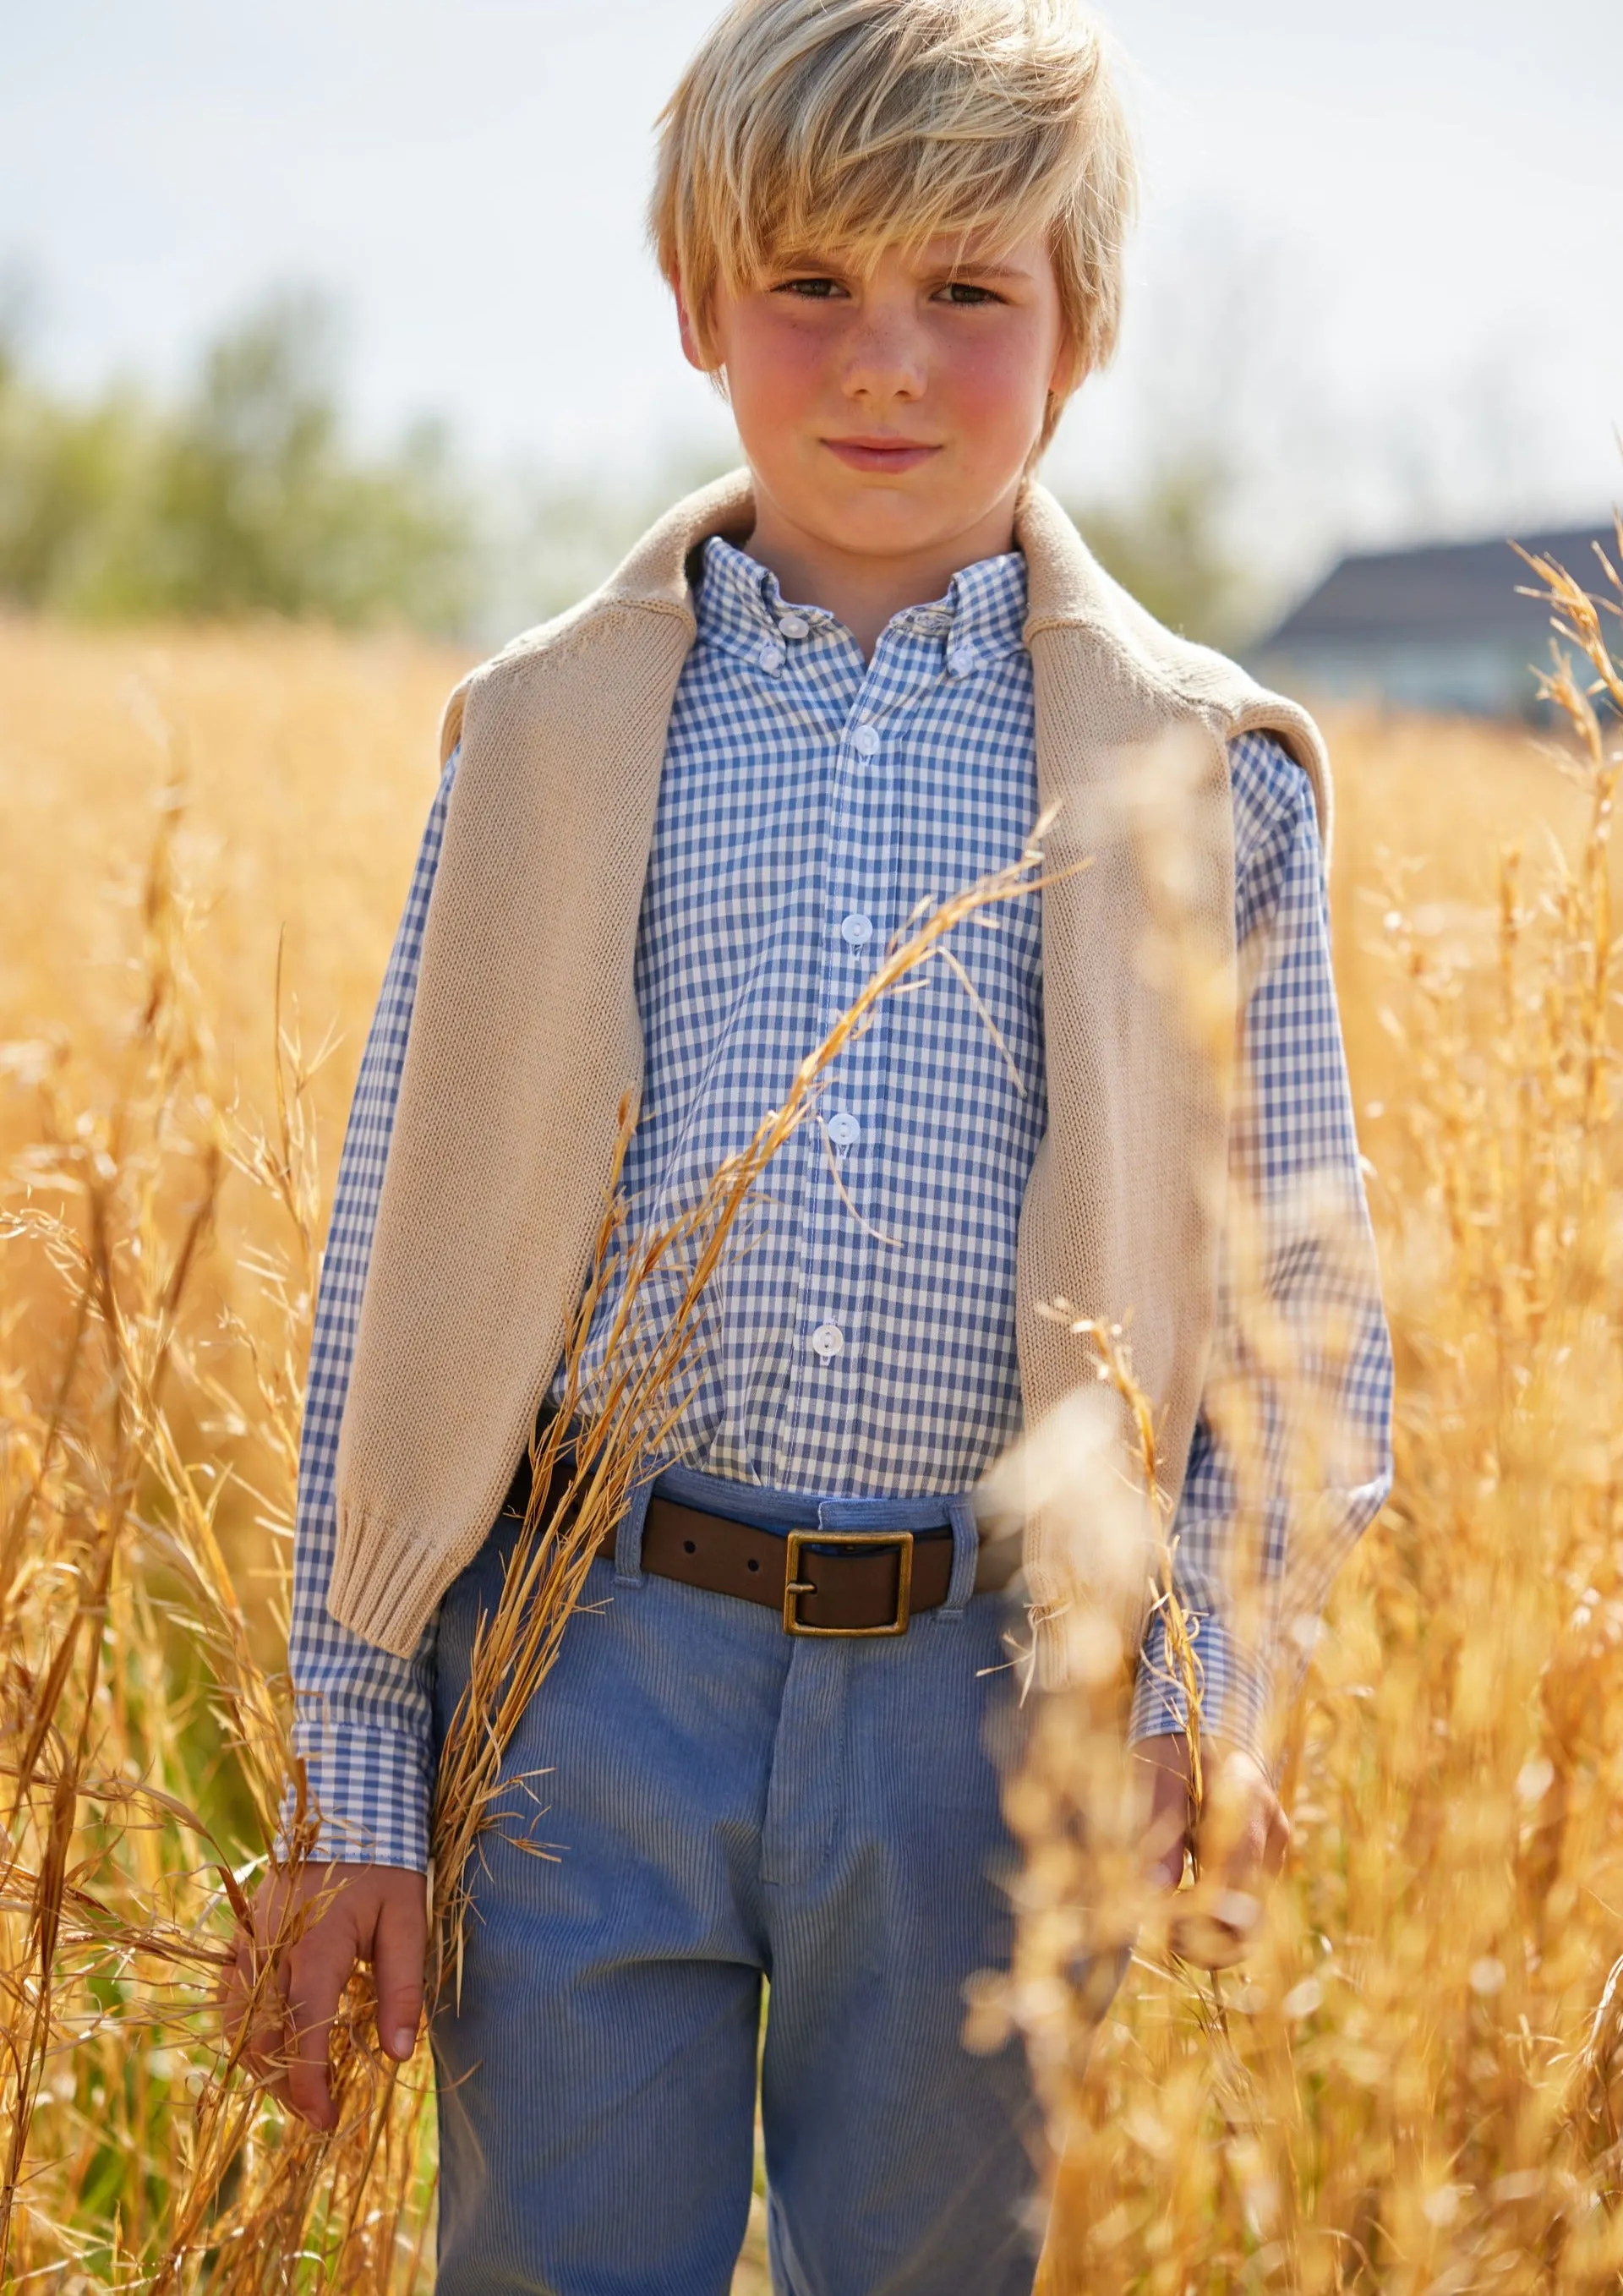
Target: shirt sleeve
[(1301, 1384), (362, 1719)]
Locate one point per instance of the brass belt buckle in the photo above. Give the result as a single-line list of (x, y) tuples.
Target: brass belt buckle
[(794, 1585)]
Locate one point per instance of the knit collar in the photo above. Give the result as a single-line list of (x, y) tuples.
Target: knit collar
[(1067, 587), (1070, 599)]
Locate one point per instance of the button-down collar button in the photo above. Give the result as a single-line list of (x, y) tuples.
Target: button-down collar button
[(844, 1130), (866, 740), (827, 1340), (857, 929), (794, 626), (961, 660), (771, 655)]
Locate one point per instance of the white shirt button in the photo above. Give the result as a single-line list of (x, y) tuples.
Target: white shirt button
[(844, 1130), (857, 929), (827, 1340), (865, 741), (961, 660), (771, 655), (794, 626)]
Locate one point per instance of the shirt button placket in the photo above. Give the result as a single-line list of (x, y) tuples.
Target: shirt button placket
[(858, 902)]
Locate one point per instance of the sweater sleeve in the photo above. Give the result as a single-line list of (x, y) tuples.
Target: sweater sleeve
[(363, 1720), (1319, 1445)]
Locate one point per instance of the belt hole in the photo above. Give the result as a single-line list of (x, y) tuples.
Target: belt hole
[(754, 1565), (688, 1547)]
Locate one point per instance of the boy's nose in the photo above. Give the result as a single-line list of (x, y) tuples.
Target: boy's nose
[(885, 361)]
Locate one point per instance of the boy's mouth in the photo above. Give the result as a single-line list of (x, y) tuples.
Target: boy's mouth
[(867, 452)]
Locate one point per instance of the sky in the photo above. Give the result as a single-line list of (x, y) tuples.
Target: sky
[(1380, 245)]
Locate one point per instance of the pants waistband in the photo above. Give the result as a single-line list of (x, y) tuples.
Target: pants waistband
[(786, 1511), (937, 1515)]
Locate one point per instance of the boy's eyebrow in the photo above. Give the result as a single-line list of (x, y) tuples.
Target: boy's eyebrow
[(986, 267), (945, 259)]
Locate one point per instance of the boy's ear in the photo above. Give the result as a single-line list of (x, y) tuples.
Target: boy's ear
[(692, 350)]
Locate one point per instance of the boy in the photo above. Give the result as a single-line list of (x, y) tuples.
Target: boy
[(676, 829)]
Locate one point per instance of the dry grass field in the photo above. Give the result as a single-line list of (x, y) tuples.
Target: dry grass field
[(1414, 2083)]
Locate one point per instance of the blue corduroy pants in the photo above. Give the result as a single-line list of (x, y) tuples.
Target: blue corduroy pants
[(724, 1805)]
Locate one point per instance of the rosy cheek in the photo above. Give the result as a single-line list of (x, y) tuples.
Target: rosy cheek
[(993, 385), (782, 362)]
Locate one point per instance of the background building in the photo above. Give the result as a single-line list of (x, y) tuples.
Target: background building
[(1443, 628)]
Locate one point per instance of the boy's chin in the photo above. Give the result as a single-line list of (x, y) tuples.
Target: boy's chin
[(881, 515)]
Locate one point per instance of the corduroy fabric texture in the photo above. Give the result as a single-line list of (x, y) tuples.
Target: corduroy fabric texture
[(724, 1804), (525, 1042)]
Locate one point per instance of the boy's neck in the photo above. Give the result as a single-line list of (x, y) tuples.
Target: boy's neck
[(863, 589)]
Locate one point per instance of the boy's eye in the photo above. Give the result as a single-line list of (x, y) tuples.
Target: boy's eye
[(815, 288), (965, 292)]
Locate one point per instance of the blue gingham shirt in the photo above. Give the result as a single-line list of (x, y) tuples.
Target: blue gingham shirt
[(861, 1340)]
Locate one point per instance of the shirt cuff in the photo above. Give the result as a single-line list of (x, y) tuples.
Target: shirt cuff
[(370, 1789), (1234, 1686)]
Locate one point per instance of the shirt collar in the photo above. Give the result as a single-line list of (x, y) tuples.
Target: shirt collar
[(986, 606), (739, 603)]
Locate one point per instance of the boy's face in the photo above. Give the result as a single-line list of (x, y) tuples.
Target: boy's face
[(887, 413)]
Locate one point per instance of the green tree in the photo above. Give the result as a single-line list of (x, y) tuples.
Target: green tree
[(245, 498), (61, 469)]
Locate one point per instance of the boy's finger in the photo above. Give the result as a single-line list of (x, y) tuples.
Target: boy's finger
[(319, 1971), (1219, 1931), (397, 1951), (1244, 1840), (1234, 1822), (264, 2011), (234, 1998), (230, 1994), (1163, 1777), (1168, 1829), (239, 2011), (1166, 1848), (1256, 1846)]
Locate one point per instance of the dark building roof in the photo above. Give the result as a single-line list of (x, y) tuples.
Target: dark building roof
[(1464, 590)]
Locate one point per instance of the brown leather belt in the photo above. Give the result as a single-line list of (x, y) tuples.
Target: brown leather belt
[(820, 1582)]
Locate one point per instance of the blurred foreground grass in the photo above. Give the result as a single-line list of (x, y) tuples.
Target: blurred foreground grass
[(1416, 2082)]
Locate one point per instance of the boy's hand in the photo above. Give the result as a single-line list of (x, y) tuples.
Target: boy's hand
[(373, 1914), (1241, 1845)]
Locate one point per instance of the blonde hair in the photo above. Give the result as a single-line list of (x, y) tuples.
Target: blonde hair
[(852, 125)]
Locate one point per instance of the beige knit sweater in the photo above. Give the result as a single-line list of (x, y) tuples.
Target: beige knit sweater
[(524, 1038)]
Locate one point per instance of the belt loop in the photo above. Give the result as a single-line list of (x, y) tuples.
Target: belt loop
[(629, 1539), (966, 1553)]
